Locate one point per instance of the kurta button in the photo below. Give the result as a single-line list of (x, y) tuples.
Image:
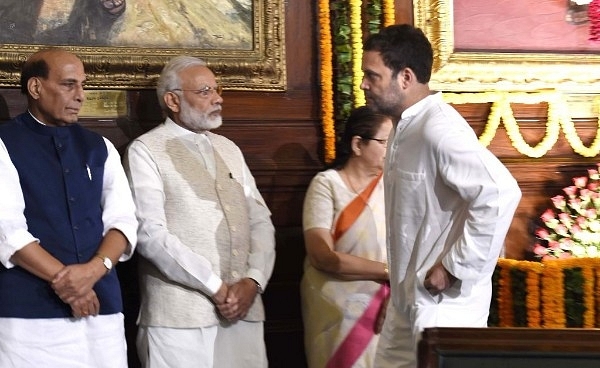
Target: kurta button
[(72, 199), (75, 227), (226, 207), (67, 171), (234, 274), (219, 187), (233, 229), (235, 252)]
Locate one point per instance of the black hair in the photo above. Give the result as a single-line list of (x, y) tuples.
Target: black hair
[(362, 122), (35, 68), (403, 46)]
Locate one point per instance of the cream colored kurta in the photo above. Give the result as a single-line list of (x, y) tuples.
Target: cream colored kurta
[(202, 222)]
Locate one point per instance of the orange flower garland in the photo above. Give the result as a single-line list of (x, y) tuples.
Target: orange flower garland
[(597, 294), (326, 80), (589, 316), (553, 292), (327, 68), (587, 265), (545, 292), (533, 270), (505, 309)]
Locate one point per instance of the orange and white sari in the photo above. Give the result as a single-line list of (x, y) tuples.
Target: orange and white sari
[(338, 315)]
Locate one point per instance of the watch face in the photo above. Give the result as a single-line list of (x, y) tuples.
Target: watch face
[(107, 263)]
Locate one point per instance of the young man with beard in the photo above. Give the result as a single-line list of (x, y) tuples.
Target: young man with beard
[(206, 239), (449, 201)]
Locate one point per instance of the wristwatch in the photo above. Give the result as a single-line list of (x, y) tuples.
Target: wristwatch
[(105, 261)]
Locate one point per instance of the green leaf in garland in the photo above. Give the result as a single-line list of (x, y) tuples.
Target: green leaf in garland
[(574, 298), (519, 293)]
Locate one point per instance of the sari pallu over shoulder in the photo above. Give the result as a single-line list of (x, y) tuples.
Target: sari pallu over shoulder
[(358, 338)]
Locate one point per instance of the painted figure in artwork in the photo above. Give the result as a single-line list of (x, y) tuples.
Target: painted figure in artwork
[(205, 24), (577, 11)]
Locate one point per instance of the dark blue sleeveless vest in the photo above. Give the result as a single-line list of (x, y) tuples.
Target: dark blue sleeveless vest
[(61, 172)]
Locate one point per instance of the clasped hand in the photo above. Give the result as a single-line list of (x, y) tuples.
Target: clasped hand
[(234, 301), (73, 285)]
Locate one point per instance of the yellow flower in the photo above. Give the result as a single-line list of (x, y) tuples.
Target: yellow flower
[(389, 14), (357, 50), (501, 111)]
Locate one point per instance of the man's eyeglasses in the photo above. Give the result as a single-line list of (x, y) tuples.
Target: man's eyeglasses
[(381, 141), (204, 92)]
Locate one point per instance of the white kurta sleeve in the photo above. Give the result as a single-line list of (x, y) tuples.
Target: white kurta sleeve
[(13, 225), (261, 259), (155, 242), (118, 209), (491, 195)]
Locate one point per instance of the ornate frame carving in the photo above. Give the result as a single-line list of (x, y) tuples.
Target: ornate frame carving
[(260, 69), (493, 71)]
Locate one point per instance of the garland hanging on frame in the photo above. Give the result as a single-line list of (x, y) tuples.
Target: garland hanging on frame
[(343, 25)]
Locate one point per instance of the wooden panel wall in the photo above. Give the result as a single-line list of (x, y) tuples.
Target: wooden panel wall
[(539, 178), (280, 134)]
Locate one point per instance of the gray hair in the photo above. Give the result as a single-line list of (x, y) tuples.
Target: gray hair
[(169, 77)]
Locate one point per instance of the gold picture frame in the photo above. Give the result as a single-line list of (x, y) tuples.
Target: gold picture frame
[(261, 67), (499, 71)]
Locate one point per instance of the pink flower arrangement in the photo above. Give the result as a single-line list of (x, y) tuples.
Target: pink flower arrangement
[(572, 227)]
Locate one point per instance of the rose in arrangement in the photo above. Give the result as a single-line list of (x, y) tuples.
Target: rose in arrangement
[(572, 227)]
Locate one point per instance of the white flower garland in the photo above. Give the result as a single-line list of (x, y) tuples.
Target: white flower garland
[(558, 117)]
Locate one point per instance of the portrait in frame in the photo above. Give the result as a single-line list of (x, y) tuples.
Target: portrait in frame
[(552, 66), (125, 48)]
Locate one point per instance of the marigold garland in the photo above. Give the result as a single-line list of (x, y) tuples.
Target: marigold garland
[(587, 266), (389, 13), (505, 310), (558, 117), (357, 51), (326, 80), (553, 295), (597, 295), (546, 284), (326, 52), (533, 270)]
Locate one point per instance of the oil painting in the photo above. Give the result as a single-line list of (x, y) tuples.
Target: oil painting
[(528, 45), (124, 43)]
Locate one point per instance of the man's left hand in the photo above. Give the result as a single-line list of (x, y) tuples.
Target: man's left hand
[(239, 299), (438, 279)]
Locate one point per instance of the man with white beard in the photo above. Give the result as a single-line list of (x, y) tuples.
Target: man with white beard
[(206, 240)]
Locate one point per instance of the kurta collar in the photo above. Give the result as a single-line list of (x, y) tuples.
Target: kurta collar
[(182, 133), (420, 106)]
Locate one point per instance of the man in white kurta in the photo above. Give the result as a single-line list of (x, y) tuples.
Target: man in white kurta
[(449, 201), (205, 237)]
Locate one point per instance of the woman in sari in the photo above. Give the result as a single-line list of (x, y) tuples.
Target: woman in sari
[(344, 288)]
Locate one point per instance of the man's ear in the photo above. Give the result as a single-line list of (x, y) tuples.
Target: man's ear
[(172, 101), (405, 77), (33, 87)]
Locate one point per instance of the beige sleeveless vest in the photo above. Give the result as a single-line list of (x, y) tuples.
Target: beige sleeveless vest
[(209, 216)]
